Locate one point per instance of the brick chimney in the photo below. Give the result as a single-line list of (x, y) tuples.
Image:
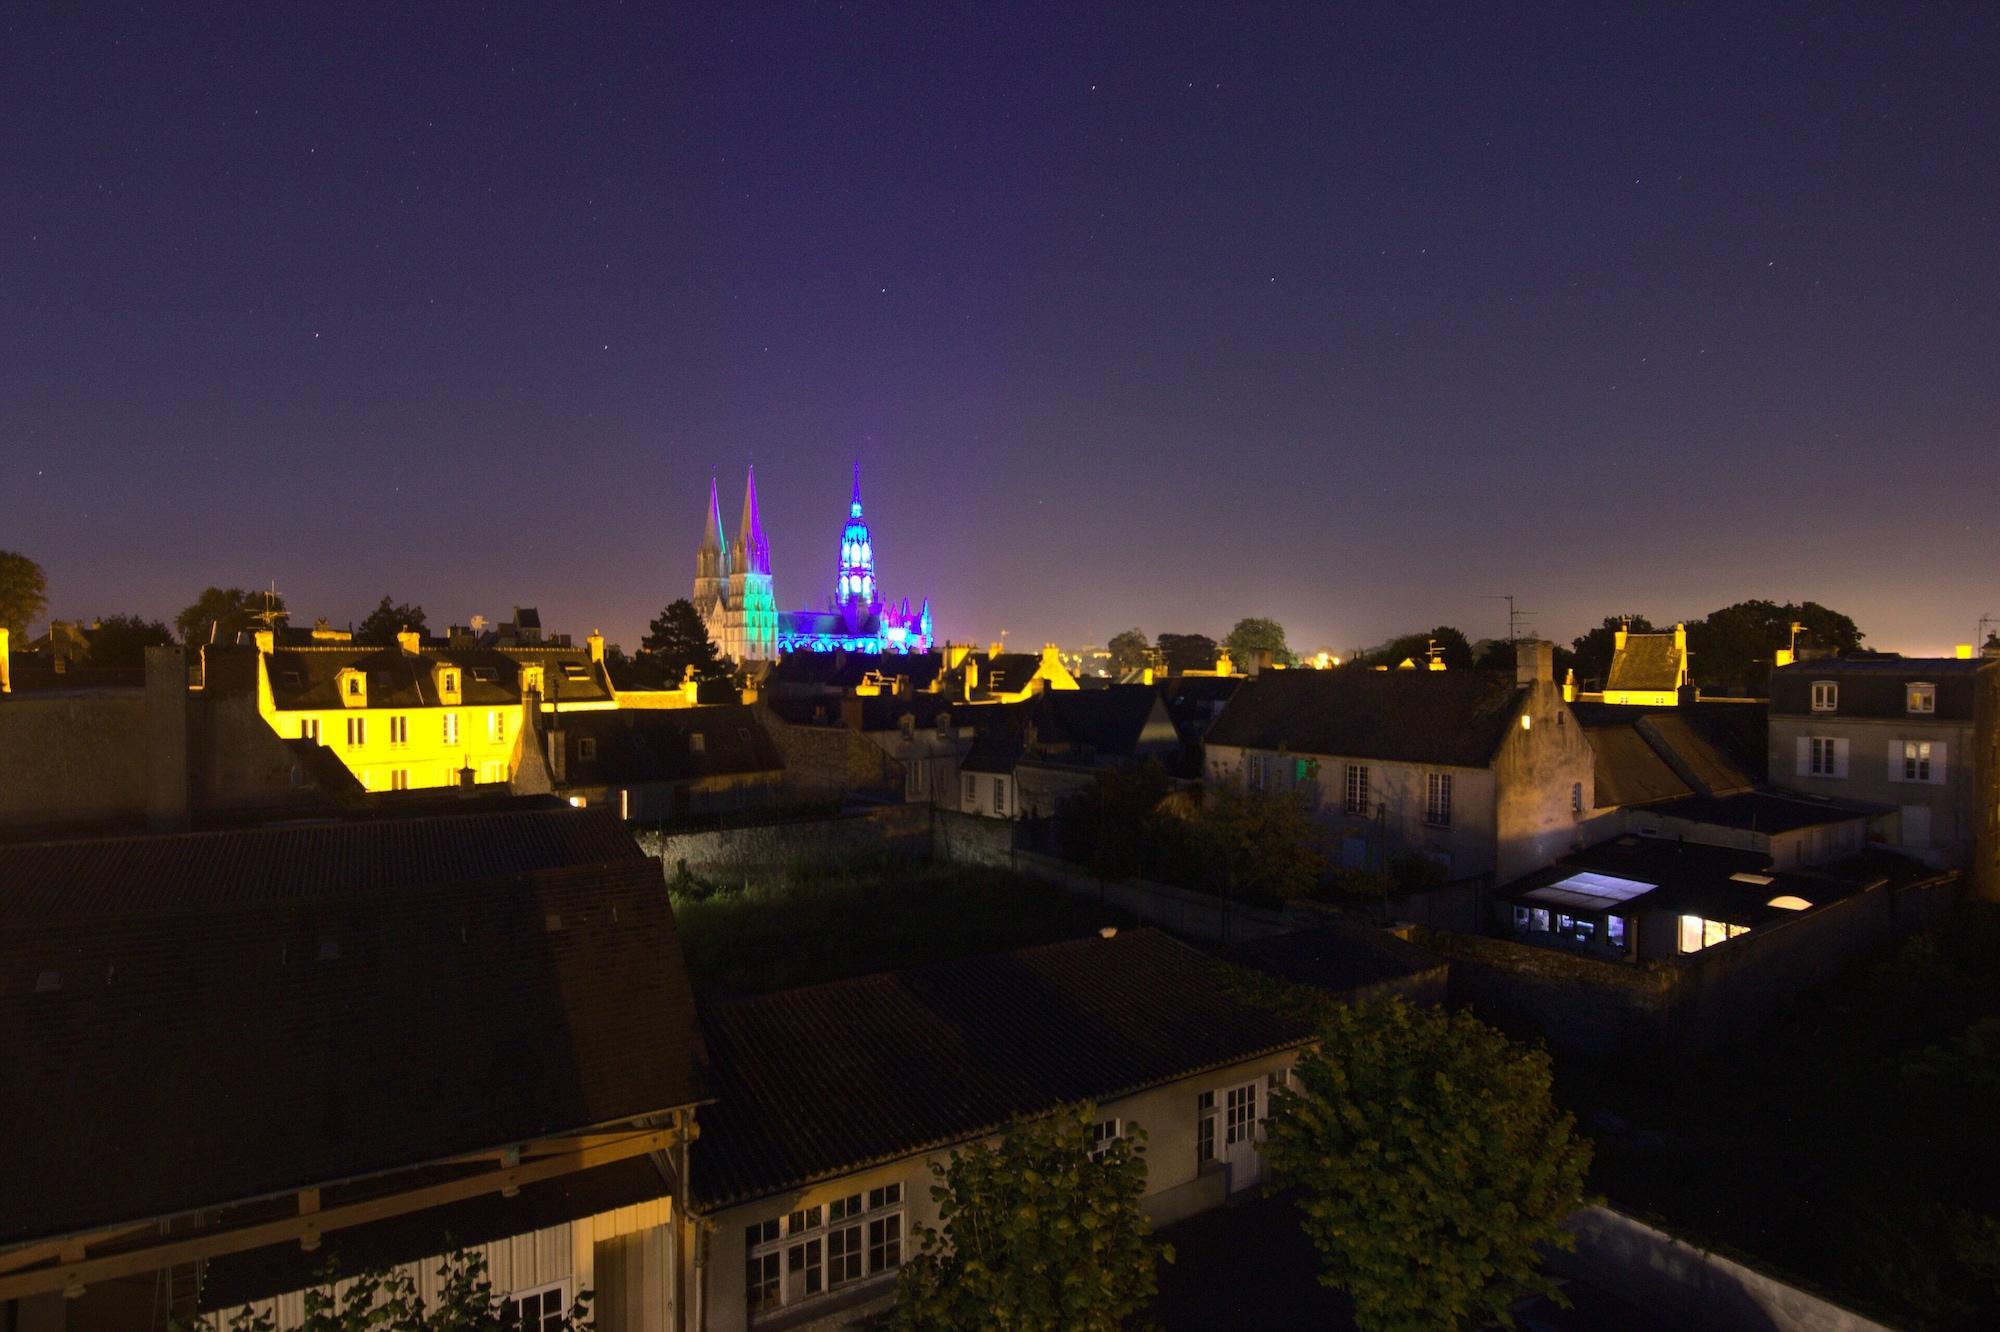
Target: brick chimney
[(1534, 662)]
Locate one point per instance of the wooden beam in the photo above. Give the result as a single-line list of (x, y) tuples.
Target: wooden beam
[(83, 1271)]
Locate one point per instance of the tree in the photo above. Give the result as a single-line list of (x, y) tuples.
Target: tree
[(1429, 1162), (122, 640), (24, 592), (1256, 634), (1594, 649), (1180, 653), (1453, 650), (1129, 650), (386, 621), (1731, 650), (220, 613), (1040, 1235), (1247, 844), (677, 639), (381, 1301)]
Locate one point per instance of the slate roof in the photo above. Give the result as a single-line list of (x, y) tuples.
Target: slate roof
[(844, 670), (1765, 811), (1644, 755), (198, 1019), (306, 678), (1008, 672), (1874, 686), (1451, 718), (1647, 663), (817, 1082), (635, 745), (1629, 771)]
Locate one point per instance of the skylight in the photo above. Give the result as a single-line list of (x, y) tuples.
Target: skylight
[(1590, 891), (1761, 880), (1787, 902)]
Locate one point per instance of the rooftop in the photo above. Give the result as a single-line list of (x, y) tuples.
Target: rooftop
[(1454, 718), (206, 1018), (912, 1061)]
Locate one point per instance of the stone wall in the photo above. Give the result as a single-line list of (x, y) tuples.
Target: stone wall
[(73, 760), (901, 831), (832, 761), (1690, 1286)]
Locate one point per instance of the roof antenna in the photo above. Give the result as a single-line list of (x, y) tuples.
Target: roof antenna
[(1516, 618)]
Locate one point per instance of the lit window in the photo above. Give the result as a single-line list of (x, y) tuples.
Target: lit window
[(449, 682), (496, 726), (1697, 933), (1825, 696), (1614, 931), (1357, 788), (1922, 698), (1437, 800), (538, 1310), (1916, 760), (451, 728)]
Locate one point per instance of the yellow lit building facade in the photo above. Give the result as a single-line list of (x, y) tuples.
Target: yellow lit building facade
[(416, 715)]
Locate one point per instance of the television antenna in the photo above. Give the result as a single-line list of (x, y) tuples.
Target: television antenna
[(1516, 618), (1979, 642)]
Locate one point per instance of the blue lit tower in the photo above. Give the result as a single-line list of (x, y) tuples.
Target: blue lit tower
[(854, 587)]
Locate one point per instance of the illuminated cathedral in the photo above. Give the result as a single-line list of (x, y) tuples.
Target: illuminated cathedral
[(733, 591)]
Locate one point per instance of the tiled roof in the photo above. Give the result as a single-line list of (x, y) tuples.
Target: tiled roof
[(657, 745), (1629, 771), (199, 1019), (1646, 664), (1454, 718), (817, 1082), (1340, 956)]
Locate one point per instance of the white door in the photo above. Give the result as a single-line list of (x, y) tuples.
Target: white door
[(1916, 825), (1239, 1136)]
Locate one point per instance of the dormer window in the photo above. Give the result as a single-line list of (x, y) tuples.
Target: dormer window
[(531, 680), (1825, 696), (483, 674), (575, 670), (355, 689), (448, 681), (1921, 698)]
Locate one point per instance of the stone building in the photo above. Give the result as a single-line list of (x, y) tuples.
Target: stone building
[(1481, 772)]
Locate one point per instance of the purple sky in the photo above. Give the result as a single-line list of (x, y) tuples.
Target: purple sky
[(1157, 316)]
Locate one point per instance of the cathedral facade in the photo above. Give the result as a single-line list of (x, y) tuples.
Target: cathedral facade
[(733, 591)]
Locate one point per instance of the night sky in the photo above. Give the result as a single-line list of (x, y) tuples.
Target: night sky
[(1161, 316)]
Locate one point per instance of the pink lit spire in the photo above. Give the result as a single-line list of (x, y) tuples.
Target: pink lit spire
[(751, 553)]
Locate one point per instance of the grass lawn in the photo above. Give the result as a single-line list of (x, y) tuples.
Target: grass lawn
[(805, 928), (1852, 1145)]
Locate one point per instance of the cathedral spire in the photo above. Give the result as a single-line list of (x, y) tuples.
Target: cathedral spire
[(854, 503), (751, 553), (710, 561)]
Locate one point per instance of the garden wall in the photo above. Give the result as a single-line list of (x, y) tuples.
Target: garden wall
[(1653, 1270), (886, 830)]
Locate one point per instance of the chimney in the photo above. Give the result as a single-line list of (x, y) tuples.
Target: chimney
[(166, 739), (595, 645), (1535, 661), (409, 640), (1569, 685), (1962, 651)]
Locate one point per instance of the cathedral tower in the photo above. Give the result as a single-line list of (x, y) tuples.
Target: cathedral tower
[(750, 613)]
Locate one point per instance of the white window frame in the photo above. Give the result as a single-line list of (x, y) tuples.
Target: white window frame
[(801, 1242), (1102, 1134), (1239, 1114), (999, 795), (1207, 1130), (546, 1319), (1822, 756), (1354, 795), (972, 790), (1920, 698), (1826, 696), (451, 728), (1437, 800), (1917, 761), (496, 725)]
